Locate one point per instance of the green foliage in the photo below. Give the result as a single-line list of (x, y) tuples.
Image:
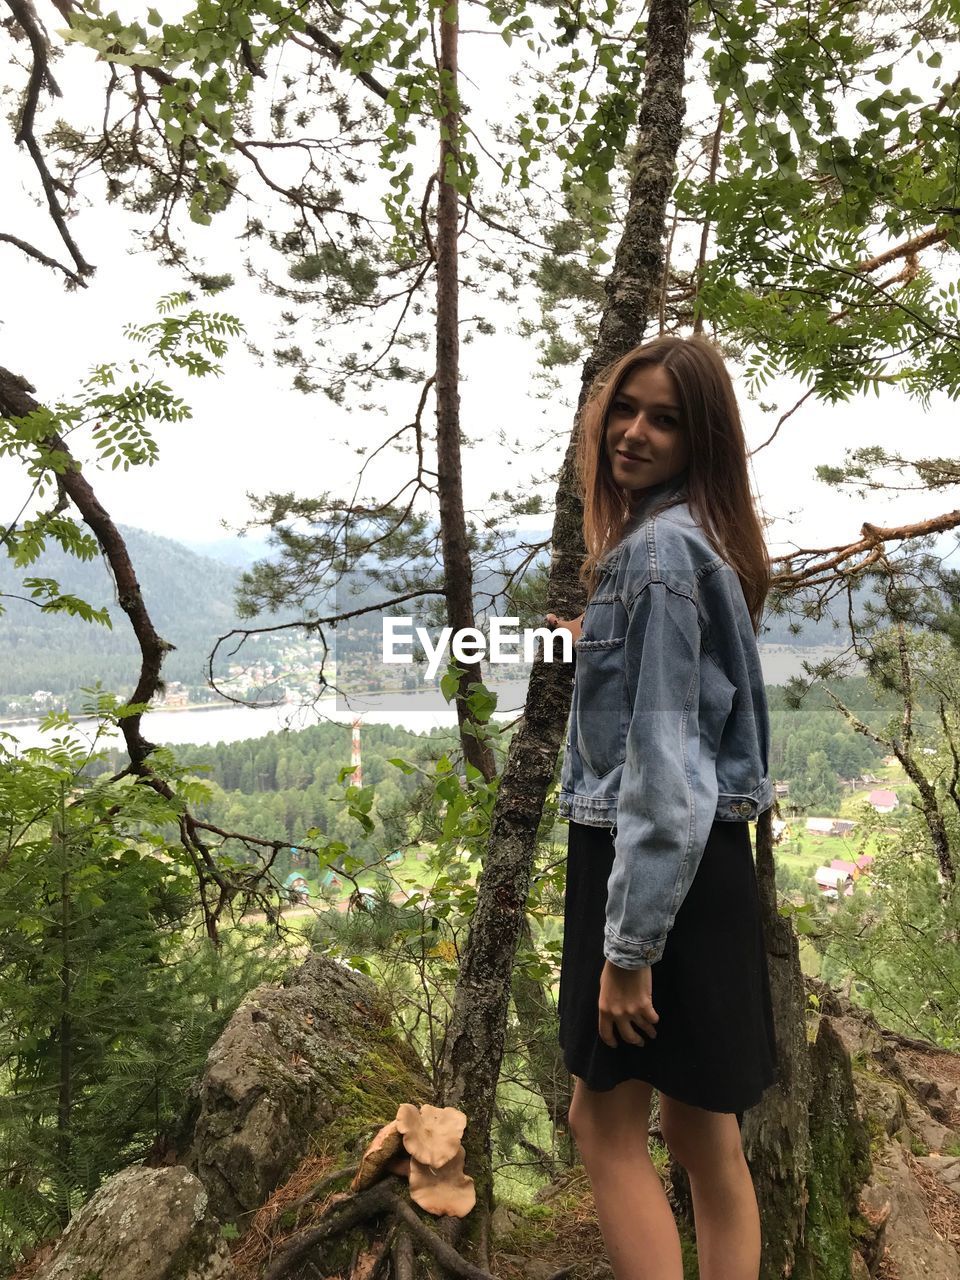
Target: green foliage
[(815, 730), (798, 198), (898, 942), (815, 788), (109, 995), (111, 989), (410, 934)]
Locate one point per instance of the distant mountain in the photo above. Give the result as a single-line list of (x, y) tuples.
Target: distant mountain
[(190, 598), (811, 634), (239, 553)]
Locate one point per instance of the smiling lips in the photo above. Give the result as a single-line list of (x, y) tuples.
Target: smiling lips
[(629, 457)]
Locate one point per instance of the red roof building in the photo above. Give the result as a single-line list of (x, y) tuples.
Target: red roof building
[(883, 801)]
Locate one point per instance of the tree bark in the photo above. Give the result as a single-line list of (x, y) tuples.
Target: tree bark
[(475, 1038), (457, 569), (776, 1134)]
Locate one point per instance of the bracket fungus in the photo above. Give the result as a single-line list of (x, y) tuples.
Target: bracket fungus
[(431, 1134), (423, 1145), (386, 1145), (446, 1191)]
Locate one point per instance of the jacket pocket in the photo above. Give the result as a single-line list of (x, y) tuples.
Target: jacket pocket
[(603, 715)]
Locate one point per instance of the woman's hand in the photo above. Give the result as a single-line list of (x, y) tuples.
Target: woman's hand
[(573, 626), (626, 997)]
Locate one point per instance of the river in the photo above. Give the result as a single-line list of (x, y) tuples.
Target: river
[(230, 723), (418, 711)]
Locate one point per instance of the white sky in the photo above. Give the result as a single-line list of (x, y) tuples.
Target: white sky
[(250, 431)]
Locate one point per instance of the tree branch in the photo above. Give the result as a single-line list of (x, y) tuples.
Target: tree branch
[(335, 52), (40, 77), (31, 252), (823, 563)]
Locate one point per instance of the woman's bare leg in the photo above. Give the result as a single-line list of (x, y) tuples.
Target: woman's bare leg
[(610, 1129), (708, 1145)]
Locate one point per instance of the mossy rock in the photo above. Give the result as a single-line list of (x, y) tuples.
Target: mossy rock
[(881, 1103), (314, 1065), (142, 1224), (839, 1162)]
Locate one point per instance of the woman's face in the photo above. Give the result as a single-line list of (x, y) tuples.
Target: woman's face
[(646, 440)]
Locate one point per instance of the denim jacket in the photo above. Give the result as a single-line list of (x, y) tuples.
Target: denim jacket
[(668, 724)]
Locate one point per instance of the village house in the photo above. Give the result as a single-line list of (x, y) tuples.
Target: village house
[(830, 826), (176, 695), (831, 882), (883, 801), (856, 868), (296, 888)]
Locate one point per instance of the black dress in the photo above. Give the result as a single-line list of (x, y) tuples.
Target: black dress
[(715, 1044)]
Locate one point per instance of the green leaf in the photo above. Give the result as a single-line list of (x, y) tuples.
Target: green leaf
[(403, 765), (482, 702)]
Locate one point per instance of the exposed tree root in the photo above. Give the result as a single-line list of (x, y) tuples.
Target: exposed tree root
[(346, 1214), (401, 1257)]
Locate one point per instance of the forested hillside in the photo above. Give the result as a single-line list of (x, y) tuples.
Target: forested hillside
[(286, 784), (192, 600), (191, 597)]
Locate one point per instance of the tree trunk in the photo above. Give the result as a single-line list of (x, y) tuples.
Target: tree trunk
[(16, 401), (475, 1038), (776, 1134), (457, 570)]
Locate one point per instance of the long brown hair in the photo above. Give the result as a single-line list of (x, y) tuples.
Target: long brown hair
[(718, 485)]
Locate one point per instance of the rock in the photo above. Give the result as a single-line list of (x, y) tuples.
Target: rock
[(947, 1169), (936, 1096), (539, 1269), (880, 1101), (858, 1268), (143, 1224), (915, 1249), (314, 1065), (924, 1089), (530, 1268), (860, 1039), (502, 1222), (839, 1157), (925, 1129)]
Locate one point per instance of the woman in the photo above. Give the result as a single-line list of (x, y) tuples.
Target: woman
[(664, 981)]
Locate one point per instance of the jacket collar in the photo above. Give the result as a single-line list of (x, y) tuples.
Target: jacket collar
[(658, 495), (646, 504)]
